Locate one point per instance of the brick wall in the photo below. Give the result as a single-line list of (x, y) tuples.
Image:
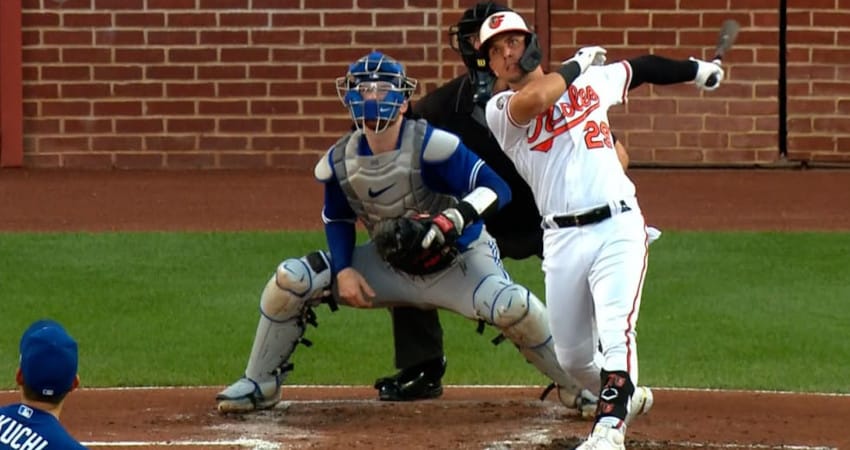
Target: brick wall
[(250, 83), (679, 124), (819, 80)]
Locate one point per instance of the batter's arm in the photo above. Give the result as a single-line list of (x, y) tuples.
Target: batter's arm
[(656, 69), (542, 92), (538, 96)]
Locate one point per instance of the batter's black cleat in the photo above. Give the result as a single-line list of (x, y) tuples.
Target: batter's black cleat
[(420, 382)]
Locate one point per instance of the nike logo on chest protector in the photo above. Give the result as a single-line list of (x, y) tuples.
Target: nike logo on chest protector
[(373, 194)]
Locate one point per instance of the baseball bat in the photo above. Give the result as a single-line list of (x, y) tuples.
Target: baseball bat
[(728, 34)]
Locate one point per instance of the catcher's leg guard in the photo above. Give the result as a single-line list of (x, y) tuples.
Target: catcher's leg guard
[(284, 308), (522, 318)]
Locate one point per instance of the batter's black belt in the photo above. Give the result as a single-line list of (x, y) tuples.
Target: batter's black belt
[(589, 217), (595, 215)]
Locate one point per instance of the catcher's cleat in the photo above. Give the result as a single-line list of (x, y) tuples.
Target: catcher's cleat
[(420, 382), (641, 403), (246, 395), (585, 404)]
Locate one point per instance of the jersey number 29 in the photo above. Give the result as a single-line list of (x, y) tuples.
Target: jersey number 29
[(597, 135)]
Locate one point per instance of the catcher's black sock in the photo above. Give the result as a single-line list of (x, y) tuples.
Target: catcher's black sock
[(617, 389)]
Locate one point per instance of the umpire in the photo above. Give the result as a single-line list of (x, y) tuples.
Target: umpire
[(417, 333)]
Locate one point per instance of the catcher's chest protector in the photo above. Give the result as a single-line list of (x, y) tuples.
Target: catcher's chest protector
[(388, 184)]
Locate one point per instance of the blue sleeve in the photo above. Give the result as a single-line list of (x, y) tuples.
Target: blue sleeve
[(461, 173), (339, 220)]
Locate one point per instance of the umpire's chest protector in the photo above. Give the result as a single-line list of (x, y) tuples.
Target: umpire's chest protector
[(388, 184)]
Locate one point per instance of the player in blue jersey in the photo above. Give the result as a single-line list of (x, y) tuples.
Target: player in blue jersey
[(388, 167), (47, 373)]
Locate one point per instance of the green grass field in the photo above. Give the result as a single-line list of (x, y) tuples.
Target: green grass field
[(720, 310)]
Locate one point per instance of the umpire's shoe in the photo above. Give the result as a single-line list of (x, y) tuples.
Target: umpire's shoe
[(419, 382)]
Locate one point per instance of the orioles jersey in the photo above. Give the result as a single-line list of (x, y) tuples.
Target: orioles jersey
[(566, 154)]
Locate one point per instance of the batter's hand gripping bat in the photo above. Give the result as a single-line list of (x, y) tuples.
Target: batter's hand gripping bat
[(728, 34)]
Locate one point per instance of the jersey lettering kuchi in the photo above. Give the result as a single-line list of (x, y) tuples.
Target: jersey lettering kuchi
[(567, 153), (25, 428)]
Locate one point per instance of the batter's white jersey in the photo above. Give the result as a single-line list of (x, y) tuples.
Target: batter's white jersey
[(567, 154), (594, 273)]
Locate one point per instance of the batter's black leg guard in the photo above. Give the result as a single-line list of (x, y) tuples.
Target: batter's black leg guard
[(617, 389)]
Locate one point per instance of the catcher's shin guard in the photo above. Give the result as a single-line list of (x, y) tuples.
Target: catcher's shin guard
[(284, 311), (522, 318)]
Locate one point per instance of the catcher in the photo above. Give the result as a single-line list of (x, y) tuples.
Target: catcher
[(422, 196)]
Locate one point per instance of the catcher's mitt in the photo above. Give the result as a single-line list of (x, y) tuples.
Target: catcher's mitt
[(399, 242)]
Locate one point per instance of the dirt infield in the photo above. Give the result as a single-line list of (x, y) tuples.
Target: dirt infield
[(473, 418)]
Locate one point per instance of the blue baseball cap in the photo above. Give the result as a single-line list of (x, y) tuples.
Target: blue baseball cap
[(48, 358)]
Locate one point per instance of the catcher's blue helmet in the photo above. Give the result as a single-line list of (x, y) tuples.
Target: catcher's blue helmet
[(374, 89)]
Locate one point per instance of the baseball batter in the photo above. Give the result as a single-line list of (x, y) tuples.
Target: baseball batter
[(458, 107), (555, 129), (391, 167)]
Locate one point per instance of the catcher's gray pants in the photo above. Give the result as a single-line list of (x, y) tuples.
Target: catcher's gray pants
[(452, 289)]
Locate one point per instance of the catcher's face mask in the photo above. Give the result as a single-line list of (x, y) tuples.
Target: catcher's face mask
[(374, 91)]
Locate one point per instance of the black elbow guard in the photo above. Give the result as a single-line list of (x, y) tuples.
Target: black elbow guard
[(569, 72)]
